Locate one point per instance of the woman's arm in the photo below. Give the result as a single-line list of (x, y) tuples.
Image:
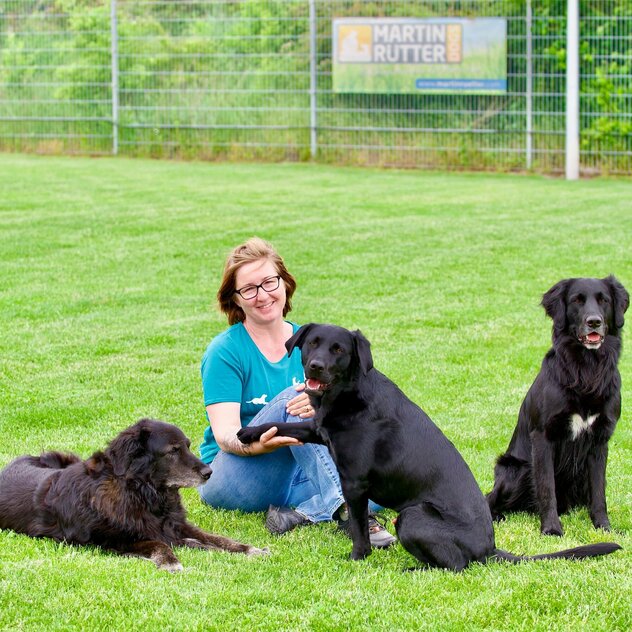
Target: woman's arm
[(225, 423)]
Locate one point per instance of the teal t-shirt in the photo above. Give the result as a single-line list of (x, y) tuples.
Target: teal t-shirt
[(234, 370)]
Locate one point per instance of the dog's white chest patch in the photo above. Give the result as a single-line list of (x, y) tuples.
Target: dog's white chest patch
[(579, 424)]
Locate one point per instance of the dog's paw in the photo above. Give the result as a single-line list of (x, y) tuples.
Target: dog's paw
[(553, 530), (602, 523), (165, 560), (356, 556), (248, 435), (253, 550)]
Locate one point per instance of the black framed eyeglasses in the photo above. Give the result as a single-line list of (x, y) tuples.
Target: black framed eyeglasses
[(268, 285)]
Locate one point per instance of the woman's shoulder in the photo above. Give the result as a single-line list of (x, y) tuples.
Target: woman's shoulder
[(231, 338)]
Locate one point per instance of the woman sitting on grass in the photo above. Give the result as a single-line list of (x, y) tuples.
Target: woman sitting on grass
[(248, 378)]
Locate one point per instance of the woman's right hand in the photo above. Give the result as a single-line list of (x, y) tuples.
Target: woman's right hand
[(269, 441), (225, 423)]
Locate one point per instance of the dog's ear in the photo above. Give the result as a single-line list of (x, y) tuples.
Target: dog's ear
[(362, 348), (298, 338), (620, 300), (128, 451), (554, 303)]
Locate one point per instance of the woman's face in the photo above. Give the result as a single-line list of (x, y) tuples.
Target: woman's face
[(265, 307)]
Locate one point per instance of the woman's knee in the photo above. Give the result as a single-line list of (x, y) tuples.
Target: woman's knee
[(285, 395), (276, 410)]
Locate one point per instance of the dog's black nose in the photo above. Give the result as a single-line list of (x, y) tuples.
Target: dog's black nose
[(316, 365), (205, 472), (594, 321)]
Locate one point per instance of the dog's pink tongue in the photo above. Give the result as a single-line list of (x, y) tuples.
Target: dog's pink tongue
[(594, 337), (312, 384)]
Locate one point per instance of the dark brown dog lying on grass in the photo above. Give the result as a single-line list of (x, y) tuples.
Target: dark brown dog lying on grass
[(387, 449), (124, 499)]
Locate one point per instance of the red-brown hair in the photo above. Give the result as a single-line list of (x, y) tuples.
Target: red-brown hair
[(254, 249)]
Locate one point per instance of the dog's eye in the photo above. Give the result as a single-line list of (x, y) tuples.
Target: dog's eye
[(175, 449), (338, 349), (602, 299), (312, 344), (579, 299)]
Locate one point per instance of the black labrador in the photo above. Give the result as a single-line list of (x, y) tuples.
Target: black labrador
[(124, 499), (387, 449), (557, 456)]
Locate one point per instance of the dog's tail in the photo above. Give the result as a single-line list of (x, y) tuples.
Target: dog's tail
[(578, 553), (55, 460)]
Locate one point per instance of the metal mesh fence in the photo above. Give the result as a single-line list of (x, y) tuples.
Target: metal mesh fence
[(233, 79), (228, 79), (55, 89)]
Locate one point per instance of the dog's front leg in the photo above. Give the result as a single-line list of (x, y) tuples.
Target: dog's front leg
[(305, 432), (359, 525), (196, 538), (544, 481), (597, 460), (158, 552)]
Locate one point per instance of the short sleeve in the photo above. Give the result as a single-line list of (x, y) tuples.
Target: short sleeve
[(222, 375)]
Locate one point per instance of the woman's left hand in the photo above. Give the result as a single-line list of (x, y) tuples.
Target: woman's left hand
[(300, 406)]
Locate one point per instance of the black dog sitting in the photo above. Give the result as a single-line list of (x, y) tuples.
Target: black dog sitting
[(387, 449), (124, 499), (557, 456)]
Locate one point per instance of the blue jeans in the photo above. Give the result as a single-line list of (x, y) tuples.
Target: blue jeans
[(304, 477)]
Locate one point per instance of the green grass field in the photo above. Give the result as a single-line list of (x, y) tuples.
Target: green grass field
[(108, 271)]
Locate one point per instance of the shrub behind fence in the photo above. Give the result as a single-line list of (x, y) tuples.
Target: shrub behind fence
[(252, 79)]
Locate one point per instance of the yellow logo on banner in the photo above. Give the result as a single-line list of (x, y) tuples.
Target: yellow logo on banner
[(355, 43), (453, 45)]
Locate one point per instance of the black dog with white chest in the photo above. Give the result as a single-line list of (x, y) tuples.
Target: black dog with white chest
[(557, 456), (387, 449), (124, 499)]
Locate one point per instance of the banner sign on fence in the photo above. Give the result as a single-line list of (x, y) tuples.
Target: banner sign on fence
[(411, 56)]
